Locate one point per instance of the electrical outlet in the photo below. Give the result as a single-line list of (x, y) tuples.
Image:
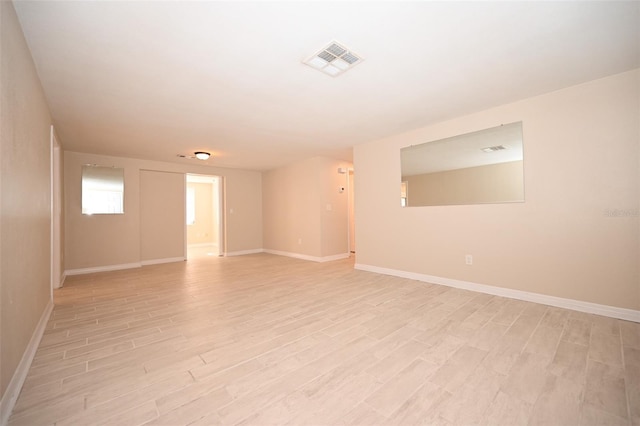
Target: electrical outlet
[(468, 259)]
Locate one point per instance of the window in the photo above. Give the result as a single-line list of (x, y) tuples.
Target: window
[(102, 190)]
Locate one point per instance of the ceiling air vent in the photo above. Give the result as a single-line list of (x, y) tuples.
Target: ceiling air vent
[(494, 148), (334, 59)]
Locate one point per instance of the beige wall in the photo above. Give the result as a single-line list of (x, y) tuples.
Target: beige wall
[(335, 222), (296, 199), (291, 201), (494, 183), (162, 215), (243, 209), (106, 240), (25, 197), (202, 231), (581, 163)]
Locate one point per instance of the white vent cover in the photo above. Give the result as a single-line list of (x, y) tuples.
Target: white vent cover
[(494, 148), (334, 59)]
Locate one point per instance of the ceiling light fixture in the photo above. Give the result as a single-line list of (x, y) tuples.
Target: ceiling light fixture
[(333, 59), (201, 155)]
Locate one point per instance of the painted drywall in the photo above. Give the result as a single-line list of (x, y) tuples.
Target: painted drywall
[(352, 213), (494, 183), (576, 236), (334, 206), (202, 230), (25, 197), (291, 206), (106, 240), (304, 212), (162, 215)]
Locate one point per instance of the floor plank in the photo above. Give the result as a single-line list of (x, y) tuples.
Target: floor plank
[(265, 339)]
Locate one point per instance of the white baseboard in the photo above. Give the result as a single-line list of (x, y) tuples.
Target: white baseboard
[(15, 385), (307, 257), (102, 268), (334, 257), (159, 261), (121, 266), (243, 252), (560, 302)]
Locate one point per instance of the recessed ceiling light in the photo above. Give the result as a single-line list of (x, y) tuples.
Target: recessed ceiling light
[(333, 59)]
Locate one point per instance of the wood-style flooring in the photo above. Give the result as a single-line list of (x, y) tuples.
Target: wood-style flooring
[(264, 339)]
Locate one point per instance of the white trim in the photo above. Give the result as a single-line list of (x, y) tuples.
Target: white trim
[(222, 209), (185, 249), (15, 385), (334, 257), (63, 278), (52, 275), (165, 260), (307, 257), (243, 252), (108, 268), (560, 302), (213, 245), (199, 178), (218, 214)]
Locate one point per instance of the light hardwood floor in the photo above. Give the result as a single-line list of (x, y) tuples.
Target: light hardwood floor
[(263, 339)]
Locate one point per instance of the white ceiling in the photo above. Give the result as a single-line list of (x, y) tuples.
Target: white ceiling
[(155, 79)]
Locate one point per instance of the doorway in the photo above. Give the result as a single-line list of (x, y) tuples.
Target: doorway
[(204, 221)]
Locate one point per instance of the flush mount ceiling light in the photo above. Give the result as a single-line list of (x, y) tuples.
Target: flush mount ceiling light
[(201, 155), (334, 59)]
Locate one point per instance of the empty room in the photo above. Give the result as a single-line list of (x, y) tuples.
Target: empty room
[(319, 213)]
